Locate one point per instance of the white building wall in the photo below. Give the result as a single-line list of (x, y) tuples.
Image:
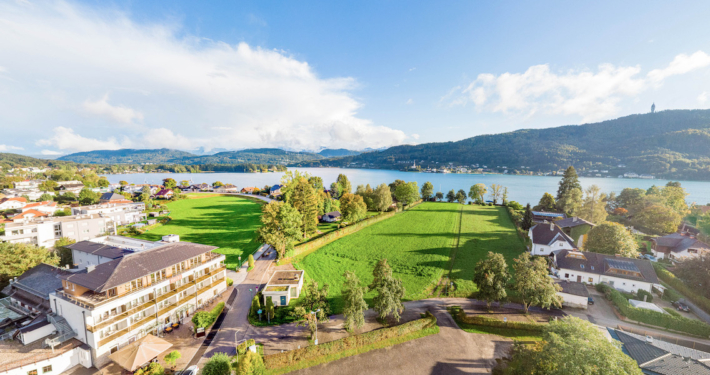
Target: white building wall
[(573, 300), (619, 283), (37, 334), (74, 314), (60, 364)]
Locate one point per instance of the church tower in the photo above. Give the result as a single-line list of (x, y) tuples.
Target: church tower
[(653, 108)]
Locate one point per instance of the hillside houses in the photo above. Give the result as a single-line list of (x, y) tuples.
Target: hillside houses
[(626, 274)]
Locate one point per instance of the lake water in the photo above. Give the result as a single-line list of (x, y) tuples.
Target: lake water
[(524, 189)]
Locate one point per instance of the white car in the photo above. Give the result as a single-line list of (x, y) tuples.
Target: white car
[(192, 370)]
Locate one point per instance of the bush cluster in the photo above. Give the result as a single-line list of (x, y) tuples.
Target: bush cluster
[(641, 293), (242, 348), (204, 319), (684, 289), (676, 323), (492, 322), (279, 360)]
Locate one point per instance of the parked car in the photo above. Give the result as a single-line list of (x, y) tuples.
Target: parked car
[(590, 301), (192, 370), (680, 306), (650, 257)]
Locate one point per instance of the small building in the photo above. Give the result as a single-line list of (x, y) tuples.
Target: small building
[(249, 190), (331, 217), (275, 190), (46, 207), (678, 246), (548, 237), (12, 203), (284, 286), (164, 194), (70, 186), (546, 217), (228, 188), (113, 198), (573, 294), (661, 357), (577, 228), (646, 305)]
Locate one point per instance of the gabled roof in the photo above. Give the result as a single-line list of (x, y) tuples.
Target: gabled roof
[(38, 204), (572, 222), (112, 197), (574, 288), (99, 249), (164, 192), (549, 233), (678, 242), (28, 214), (655, 360), (132, 266), (333, 214), (603, 264), (276, 187), (18, 199)]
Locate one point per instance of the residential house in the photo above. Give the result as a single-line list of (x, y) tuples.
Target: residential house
[(275, 190), (70, 186), (202, 187), (573, 294), (45, 231), (548, 237), (12, 203), (678, 246), (249, 190), (121, 213), (27, 184), (577, 228), (27, 215), (228, 188), (284, 286), (46, 207), (113, 198), (546, 217), (660, 357), (164, 194), (625, 274), (31, 194), (331, 217)]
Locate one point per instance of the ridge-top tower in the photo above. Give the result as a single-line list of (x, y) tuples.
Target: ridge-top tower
[(653, 108)]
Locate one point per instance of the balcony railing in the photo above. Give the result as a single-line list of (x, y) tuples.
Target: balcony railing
[(118, 317), (126, 330)]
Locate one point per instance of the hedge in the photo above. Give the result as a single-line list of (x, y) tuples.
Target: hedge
[(313, 352), (516, 217), (492, 322), (204, 319), (680, 286), (680, 324)]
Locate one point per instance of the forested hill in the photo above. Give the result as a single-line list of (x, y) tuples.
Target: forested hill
[(672, 144), (9, 161), (126, 156)]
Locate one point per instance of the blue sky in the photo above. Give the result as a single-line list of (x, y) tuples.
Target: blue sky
[(77, 76)]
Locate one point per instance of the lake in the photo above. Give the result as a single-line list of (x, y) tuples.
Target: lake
[(524, 189)]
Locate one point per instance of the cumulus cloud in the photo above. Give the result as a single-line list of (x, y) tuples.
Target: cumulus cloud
[(51, 153), (210, 93), (66, 139), (6, 148), (703, 98), (591, 94), (116, 113)]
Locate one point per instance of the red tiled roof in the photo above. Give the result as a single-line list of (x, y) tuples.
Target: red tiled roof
[(29, 212), (19, 199), (45, 203)]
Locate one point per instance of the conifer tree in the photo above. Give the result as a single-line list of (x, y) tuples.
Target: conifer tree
[(527, 222), (569, 181)]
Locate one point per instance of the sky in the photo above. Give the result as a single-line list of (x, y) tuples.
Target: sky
[(96, 75)]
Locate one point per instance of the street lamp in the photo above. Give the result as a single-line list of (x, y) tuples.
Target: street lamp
[(316, 317)]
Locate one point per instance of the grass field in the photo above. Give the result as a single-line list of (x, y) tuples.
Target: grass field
[(227, 222), (419, 245)]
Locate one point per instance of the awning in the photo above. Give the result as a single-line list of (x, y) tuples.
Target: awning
[(138, 353)]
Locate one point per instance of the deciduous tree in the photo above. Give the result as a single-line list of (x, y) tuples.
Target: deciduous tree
[(496, 191), (382, 198), (427, 190), (63, 252), (218, 364), (170, 183), (439, 196), (20, 257), (390, 291), (612, 239), (491, 276), (352, 207), (88, 197), (354, 304), (477, 192), (594, 206), (281, 226), (571, 202), (461, 196), (532, 284), (547, 203), (451, 196), (407, 193), (314, 299), (48, 185), (658, 219)]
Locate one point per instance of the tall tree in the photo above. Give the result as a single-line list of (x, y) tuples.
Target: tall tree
[(63, 252), (532, 284), (407, 193), (341, 185), (571, 202), (569, 181), (316, 182), (439, 196), (269, 308), (658, 219), (547, 203), (352, 207), (612, 239), (451, 196), (88, 197), (490, 276), (20, 257), (314, 299), (170, 183), (184, 183), (390, 291), (505, 195), (477, 192), (299, 193), (382, 198), (145, 194), (427, 190), (48, 185), (251, 364), (354, 304), (594, 206), (527, 221), (461, 196), (281, 226), (631, 199), (496, 191)]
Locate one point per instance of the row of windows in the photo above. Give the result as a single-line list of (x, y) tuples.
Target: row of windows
[(45, 370)]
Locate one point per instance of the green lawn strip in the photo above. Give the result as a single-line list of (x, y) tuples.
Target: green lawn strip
[(516, 334), (228, 222), (416, 243), (355, 351), (484, 229)]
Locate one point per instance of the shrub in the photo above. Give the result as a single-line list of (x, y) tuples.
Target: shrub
[(461, 316), (515, 206), (684, 289), (230, 282), (204, 319), (251, 363), (641, 293), (280, 360), (242, 348), (218, 364), (250, 260)]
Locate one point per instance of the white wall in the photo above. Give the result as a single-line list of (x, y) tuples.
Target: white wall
[(37, 334), (60, 364), (547, 250), (572, 300), (626, 285)]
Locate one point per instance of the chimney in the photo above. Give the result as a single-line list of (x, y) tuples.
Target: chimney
[(552, 226), (574, 219), (90, 268), (649, 339), (645, 296)]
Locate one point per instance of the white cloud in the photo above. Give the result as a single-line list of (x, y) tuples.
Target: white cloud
[(6, 148), (412, 69), (66, 139), (409, 101), (159, 77), (415, 136), (703, 98), (593, 95), (118, 113), (51, 153)]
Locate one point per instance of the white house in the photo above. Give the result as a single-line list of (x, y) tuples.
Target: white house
[(625, 274), (46, 207), (548, 237), (678, 246), (331, 217), (12, 203), (573, 294), (284, 286)]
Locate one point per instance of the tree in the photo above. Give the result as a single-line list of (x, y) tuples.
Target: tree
[(317, 183), (393, 186), (20, 257), (570, 181), (123, 183), (251, 363), (439, 196), (496, 191), (407, 193), (352, 207), (631, 199), (172, 358), (88, 197), (218, 364), (451, 196), (390, 291), (382, 198), (461, 196), (658, 219), (367, 194), (594, 206), (527, 222), (354, 303), (477, 192), (571, 346), (281, 226), (63, 252), (48, 185), (102, 182), (341, 185), (145, 194), (490, 276), (531, 283), (169, 183), (695, 271), (547, 203), (505, 195), (250, 261), (270, 309), (427, 190), (45, 197), (571, 202), (216, 184), (299, 193), (153, 369), (612, 239), (255, 306), (184, 183), (314, 299)]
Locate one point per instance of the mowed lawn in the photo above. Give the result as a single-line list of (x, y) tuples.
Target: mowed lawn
[(483, 229), (227, 222), (416, 243)]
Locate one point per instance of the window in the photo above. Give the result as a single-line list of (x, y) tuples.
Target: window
[(591, 280), (566, 276), (592, 268), (46, 369), (32, 372), (581, 266)]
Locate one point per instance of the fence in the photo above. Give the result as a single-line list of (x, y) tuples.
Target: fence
[(673, 340)]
